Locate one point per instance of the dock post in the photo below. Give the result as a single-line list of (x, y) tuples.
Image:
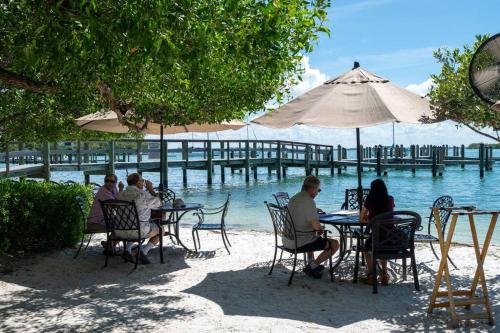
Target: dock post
[(138, 148), (481, 160), (417, 151), (462, 155), (46, 161), (111, 157), (247, 161), (86, 154), (339, 158), (165, 164), (185, 158), (486, 158), (330, 160), (208, 144), (413, 157), (78, 155), (278, 160), (86, 177), (378, 155), (7, 160), (222, 169), (307, 157), (20, 147), (434, 160), (491, 158)]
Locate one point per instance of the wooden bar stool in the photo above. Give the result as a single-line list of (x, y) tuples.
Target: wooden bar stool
[(463, 298)]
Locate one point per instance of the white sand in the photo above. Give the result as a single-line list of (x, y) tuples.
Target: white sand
[(215, 292)]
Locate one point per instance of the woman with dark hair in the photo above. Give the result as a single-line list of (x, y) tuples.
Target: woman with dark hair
[(377, 202)]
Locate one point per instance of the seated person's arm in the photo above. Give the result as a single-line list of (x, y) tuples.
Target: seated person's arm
[(363, 218), (316, 225)]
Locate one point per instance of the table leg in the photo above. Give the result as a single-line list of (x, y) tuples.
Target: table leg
[(341, 247), (481, 277), (443, 266), (176, 230)]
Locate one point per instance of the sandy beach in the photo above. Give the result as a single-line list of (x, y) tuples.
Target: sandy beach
[(214, 292)]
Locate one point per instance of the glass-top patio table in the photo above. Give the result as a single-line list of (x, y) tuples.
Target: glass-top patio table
[(344, 222)]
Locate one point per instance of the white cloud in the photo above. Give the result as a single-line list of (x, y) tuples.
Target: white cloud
[(311, 78), (422, 88)]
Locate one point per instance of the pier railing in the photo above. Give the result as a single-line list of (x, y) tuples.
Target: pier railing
[(100, 157)]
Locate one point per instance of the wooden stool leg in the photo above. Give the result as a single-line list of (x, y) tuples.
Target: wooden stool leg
[(482, 278)]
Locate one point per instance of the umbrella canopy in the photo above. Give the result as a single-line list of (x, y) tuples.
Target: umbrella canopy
[(107, 121), (355, 99), (496, 106)]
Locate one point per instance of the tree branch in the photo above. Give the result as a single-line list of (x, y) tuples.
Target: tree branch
[(21, 82), (482, 133)]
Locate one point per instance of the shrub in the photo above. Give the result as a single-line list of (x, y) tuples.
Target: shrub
[(40, 216)]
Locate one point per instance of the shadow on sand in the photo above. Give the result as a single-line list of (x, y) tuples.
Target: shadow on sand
[(251, 292), (54, 286)]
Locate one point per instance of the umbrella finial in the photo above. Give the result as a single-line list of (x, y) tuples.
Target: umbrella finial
[(356, 65)]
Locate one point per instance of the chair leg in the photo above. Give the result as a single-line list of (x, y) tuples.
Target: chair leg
[(161, 245), (224, 241), (404, 269), (108, 242), (356, 263), (293, 269), (80, 247), (88, 242), (434, 251), (281, 256), (374, 274), (194, 241), (227, 239), (198, 236), (137, 254), (274, 259), (415, 272), (331, 267)]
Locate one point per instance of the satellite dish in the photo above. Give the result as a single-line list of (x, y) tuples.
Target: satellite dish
[(484, 71)]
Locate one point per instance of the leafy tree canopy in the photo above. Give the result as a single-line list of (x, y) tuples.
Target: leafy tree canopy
[(175, 62), (453, 95)]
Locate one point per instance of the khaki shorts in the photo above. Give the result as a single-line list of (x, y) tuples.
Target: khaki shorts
[(148, 230), (96, 228)]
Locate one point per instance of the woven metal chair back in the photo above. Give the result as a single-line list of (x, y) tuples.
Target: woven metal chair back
[(394, 232), (120, 215), (167, 196), (282, 221), (442, 202), (81, 204), (95, 188), (282, 198), (351, 201)]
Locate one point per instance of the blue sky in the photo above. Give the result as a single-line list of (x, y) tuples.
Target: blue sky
[(394, 39)]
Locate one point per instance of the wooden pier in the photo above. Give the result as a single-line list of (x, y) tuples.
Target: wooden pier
[(101, 157)]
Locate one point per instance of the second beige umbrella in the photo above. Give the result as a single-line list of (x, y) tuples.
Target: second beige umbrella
[(355, 99)]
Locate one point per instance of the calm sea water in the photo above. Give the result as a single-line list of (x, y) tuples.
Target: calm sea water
[(411, 191)]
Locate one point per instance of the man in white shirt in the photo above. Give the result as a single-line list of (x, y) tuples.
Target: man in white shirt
[(144, 200)]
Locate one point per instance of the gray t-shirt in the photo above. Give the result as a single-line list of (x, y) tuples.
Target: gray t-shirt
[(302, 209)]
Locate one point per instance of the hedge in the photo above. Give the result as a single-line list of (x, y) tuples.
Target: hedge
[(40, 216)]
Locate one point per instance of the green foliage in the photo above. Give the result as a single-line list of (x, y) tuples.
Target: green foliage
[(40, 216), (175, 62), (453, 95)]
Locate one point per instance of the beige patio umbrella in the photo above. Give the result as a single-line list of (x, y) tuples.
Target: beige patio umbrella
[(107, 121), (355, 99)]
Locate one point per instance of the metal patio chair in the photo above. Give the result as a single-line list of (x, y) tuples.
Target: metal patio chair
[(284, 227), (203, 225), (442, 202), (122, 215), (392, 237), (282, 198)]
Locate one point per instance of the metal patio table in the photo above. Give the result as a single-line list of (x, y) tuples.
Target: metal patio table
[(344, 223), (176, 214)]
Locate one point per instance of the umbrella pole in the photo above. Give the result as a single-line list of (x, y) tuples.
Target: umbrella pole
[(161, 160), (358, 163)]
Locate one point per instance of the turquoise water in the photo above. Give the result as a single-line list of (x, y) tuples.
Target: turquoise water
[(411, 191)]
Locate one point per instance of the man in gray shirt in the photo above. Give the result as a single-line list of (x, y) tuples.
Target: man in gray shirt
[(304, 216)]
